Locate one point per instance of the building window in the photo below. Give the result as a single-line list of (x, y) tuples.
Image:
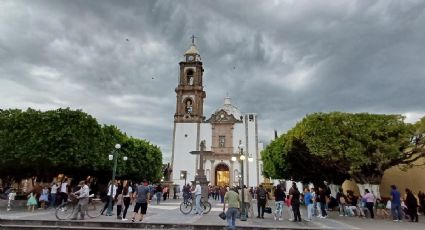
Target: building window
[(189, 77), (251, 117), (221, 141)]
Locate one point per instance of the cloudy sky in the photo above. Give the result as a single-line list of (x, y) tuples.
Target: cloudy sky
[(118, 60)]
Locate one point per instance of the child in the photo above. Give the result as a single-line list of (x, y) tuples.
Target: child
[(288, 203), (380, 209), (44, 198), (32, 202)]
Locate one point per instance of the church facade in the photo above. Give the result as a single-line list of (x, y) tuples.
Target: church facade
[(225, 135)]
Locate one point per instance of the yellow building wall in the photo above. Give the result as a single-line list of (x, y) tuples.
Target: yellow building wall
[(413, 178)]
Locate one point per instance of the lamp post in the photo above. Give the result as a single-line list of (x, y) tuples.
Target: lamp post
[(242, 162), (113, 157)]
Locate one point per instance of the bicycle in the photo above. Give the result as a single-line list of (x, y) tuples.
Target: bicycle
[(187, 205), (66, 210)]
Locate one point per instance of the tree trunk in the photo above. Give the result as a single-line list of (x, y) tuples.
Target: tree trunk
[(334, 189), (373, 188)]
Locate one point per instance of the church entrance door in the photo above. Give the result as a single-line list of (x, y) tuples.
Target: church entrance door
[(222, 175)]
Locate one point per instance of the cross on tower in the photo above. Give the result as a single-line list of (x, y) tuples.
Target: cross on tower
[(193, 39)]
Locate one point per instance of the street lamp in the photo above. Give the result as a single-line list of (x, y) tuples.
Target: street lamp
[(113, 157), (242, 159)]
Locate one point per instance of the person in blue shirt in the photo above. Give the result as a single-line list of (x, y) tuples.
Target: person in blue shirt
[(395, 204), (308, 201)]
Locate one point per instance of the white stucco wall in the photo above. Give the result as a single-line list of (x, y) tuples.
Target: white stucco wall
[(183, 145), (206, 134)]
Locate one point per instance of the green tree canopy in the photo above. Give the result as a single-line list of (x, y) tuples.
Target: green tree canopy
[(337, 146), (43, 144)]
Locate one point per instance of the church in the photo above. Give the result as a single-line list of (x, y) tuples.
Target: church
[(224, 136)]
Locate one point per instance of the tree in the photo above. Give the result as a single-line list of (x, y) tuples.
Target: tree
[(343, 145), (66, 141)]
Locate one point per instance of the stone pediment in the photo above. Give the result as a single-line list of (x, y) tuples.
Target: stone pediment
[(222, 117)]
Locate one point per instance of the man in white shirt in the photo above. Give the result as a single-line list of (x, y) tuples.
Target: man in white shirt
[(198, 194), (83, 199), (111, 198)]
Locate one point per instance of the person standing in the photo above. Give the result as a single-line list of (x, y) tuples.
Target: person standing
[(32, 201), (421, 197), (412, 205), (222, 193), (295, 202), (308, 201), (247, 202), (370, 201), (322, 203), (395, 204), (83, 200), (165, 192), (64, 187), (53, 191), (143, 198), (279, 196), (232, 198), (261, 201), (198, 194)]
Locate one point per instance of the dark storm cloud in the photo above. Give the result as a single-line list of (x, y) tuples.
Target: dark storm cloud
[(118, 60)]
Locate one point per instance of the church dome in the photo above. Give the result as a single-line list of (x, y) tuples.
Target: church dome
[(192, 50), (230, 109)]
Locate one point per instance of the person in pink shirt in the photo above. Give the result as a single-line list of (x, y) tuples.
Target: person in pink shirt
[(369, 198)]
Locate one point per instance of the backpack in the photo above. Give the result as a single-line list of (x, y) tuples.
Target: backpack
[(262, 194)]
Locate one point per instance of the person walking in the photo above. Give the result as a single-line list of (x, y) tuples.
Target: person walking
[(64, 189), (111, 198), (232, 198), (395, 204), (165, 192), (143, 199), (83, 200), (308, 201), (412, 205), (370, 201), (295, 202), (126, 193), (279, 196), (158, 193), (261, 201), (198, 195)]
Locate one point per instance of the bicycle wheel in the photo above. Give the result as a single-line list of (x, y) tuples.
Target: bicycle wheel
[(93, 209), (64, 211), (186, 207), (206, 206)]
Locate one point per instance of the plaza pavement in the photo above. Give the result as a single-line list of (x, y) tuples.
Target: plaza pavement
[(168, 215)]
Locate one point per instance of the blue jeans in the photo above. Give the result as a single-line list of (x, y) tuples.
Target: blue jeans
[(279, 209), (309, 211), (199, 209), (231, 217), (158, 197), (396, 211)]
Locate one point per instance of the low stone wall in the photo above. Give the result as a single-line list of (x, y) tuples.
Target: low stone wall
[(15, 203)]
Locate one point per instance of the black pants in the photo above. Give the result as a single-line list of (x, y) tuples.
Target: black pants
[(296, 210), (369, 206), (323, 208), (119, 208), (63, 198), (413, 213), (261, 205), (126, 204)]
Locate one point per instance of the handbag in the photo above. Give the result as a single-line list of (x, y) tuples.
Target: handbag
[(268, 210), (222, 215)]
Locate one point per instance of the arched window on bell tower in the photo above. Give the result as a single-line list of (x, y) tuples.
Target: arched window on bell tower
[(189, 77)]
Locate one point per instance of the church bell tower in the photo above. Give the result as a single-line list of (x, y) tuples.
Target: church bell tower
[(190, 91)]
